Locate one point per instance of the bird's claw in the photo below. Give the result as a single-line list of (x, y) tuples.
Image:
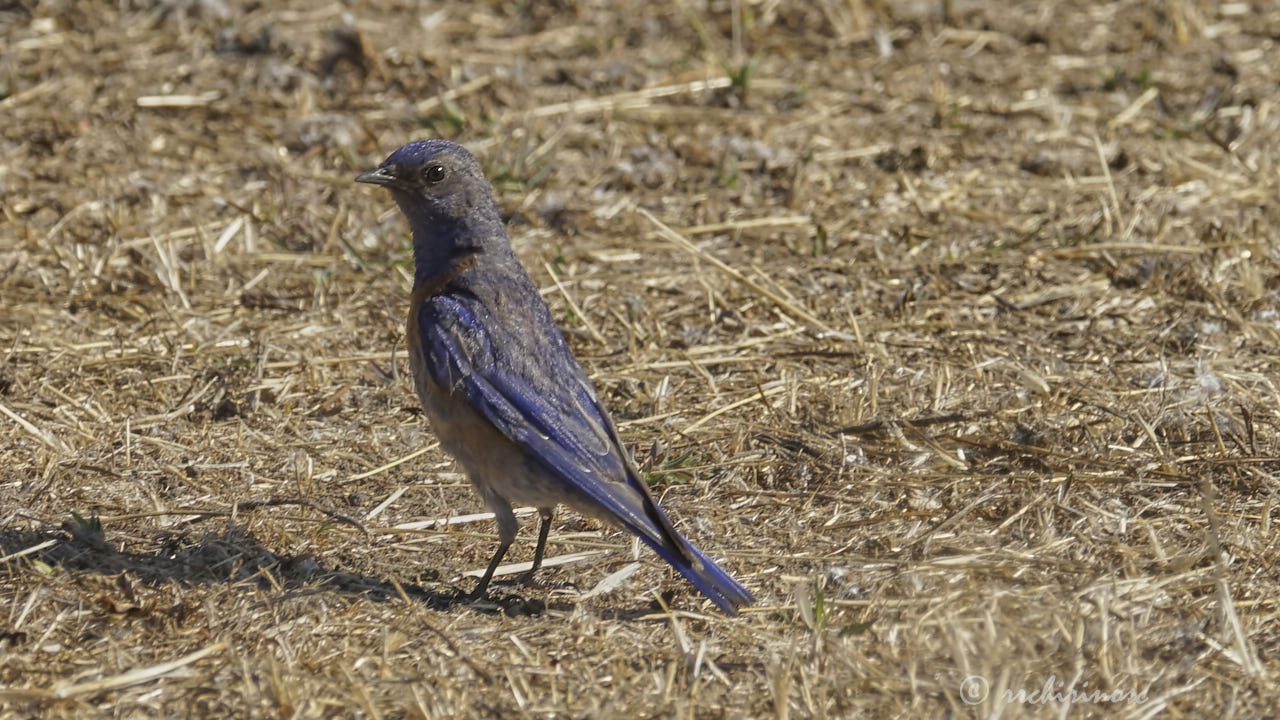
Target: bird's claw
[(528, 580)]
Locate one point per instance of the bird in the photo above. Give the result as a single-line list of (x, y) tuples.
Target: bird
[(503, 392)]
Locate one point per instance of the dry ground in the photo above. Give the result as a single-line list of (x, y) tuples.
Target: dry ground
[(963, 356)]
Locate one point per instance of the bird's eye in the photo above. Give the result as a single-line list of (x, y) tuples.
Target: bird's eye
[(434, 173)]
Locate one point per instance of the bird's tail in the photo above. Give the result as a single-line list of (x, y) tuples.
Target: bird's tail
[(728, 594)]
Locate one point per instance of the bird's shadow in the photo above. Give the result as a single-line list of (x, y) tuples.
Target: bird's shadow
[(235, 557)]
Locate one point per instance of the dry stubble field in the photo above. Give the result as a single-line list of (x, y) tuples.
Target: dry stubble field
[(960, 350)]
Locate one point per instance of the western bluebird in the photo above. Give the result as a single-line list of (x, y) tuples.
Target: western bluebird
[(503, 392)]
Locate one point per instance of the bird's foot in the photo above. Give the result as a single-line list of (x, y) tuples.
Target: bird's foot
[(528, 580)]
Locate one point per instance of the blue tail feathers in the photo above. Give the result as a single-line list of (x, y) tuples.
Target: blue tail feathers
[(711, 580)]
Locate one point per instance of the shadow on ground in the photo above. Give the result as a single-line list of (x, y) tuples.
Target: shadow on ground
[(237, 558), (234, 557)]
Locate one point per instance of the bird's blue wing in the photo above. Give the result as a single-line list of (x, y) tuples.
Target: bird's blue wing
[(529, 387), (532, 389)]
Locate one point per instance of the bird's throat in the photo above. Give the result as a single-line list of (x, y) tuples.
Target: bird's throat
[(437, 284)]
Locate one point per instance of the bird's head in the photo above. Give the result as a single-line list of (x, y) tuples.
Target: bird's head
[(435, 181)]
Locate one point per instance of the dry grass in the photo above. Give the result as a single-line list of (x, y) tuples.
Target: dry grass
[(960, 348)]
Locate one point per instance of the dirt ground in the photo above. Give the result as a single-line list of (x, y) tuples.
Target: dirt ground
[(950, 327)]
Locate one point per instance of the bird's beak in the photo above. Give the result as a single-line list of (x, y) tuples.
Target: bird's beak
[(383, 176)]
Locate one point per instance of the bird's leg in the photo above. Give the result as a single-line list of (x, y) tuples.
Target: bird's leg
[(507, 529), (483, 585), (543, 530)]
